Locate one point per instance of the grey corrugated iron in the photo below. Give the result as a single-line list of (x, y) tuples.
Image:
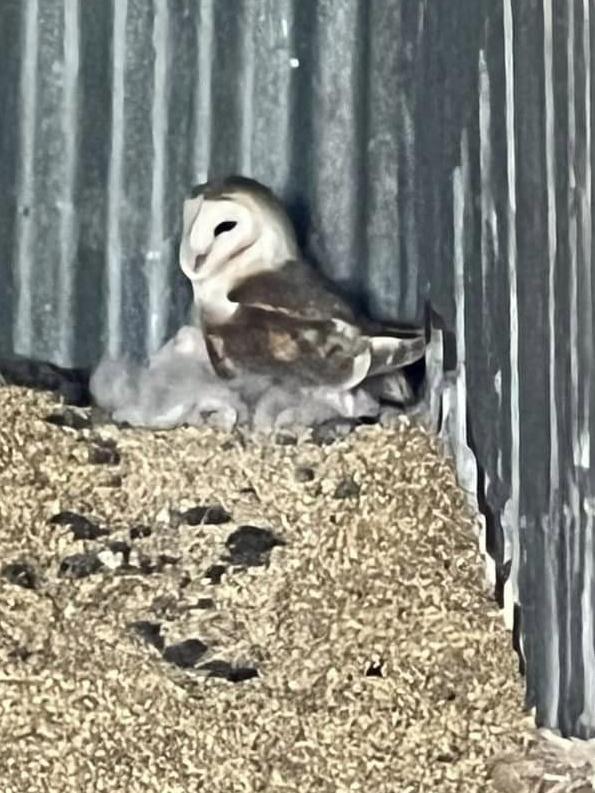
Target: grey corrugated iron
[(430, 152)]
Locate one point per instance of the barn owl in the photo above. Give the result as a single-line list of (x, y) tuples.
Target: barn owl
[(267, 313)]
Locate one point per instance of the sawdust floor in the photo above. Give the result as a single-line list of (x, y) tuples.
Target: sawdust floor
[(361, 653)]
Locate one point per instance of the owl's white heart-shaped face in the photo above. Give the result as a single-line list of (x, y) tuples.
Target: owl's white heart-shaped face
[(216, 233), (232, 231)]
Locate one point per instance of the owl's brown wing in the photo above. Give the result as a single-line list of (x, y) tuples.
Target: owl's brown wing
[(300, 291), (296, 289), (288, 349), (290, 324)]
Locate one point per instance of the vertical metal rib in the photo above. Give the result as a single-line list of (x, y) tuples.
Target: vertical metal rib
[(465, 460), (551, 526), (202, 124), (573, 391), (513, 513), (68, 218), (572, 239), (156, 271), (412, 287), (25, 260), (586, 237), (458, 185), (587, 717), (247, 93), (114, 198), (485, 168), (550, 167)]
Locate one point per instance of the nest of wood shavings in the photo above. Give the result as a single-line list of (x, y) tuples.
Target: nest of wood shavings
[(189, 610)]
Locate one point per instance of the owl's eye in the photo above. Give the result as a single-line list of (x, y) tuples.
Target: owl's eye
[(226, 225)]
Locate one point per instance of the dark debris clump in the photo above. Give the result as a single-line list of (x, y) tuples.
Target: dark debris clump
[(82, 528), (20, 574), (185, 654), (104, 453), (304, 474), (140, 532), (151, 566), (150, 632), (205, 603), (226, 671), (122, 549), (215, 573), (80, 565), (204, 515), (249, 546)]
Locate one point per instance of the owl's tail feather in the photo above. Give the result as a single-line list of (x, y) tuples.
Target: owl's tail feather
[(390, 353)]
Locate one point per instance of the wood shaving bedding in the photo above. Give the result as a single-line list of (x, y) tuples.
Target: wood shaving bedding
[(340, 640)]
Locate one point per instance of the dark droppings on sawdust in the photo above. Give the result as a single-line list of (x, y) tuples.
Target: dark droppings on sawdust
[(226, 671), (150, 632), (185, 654), (104, 454), (184, 580), (140, 532), (20, 574), (122, 549), (166, 560), (304, 474), (248, 491), (375, 669), (204, 603), (80, 565), (155, 565), (146, 565), (250, 546), (203, 515), (82, 528), (20, 654), (215, 573), (93, 706)]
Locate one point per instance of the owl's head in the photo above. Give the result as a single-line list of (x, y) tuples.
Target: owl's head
[(233, 229)]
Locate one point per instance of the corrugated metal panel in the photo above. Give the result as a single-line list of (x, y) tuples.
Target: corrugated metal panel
[(521, 245), (429, 151), (118, 108)]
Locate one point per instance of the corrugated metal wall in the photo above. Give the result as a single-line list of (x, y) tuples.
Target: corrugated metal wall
[(114, 109), (429, 151)]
